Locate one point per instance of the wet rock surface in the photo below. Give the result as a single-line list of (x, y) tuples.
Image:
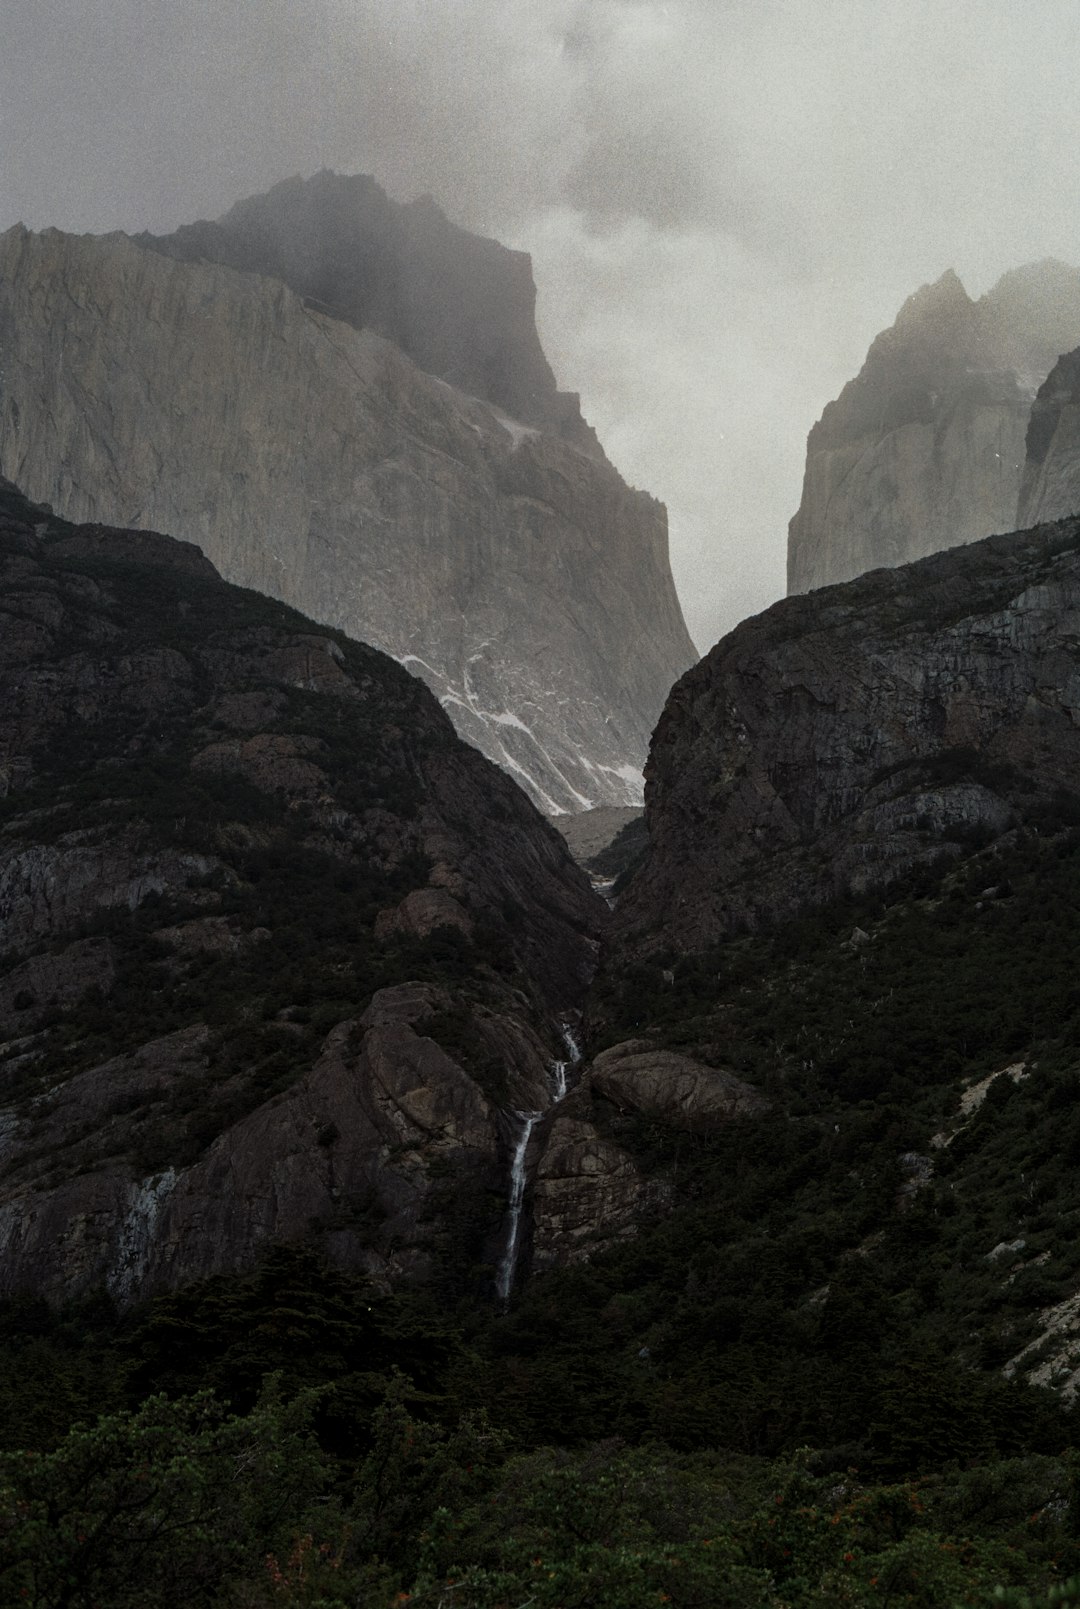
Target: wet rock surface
[(639, 1077), (589, 1192)]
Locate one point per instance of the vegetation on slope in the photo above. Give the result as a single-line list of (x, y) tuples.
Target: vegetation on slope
[(827, 1277), (804, 1381), (223, 830), (353, 1466)]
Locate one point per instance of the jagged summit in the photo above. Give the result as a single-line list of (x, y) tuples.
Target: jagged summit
[(939, 296), (924, 448)]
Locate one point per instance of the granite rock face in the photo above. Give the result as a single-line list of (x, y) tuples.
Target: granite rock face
[(925, 449), (277, 950), (502, 560), (672, 1088), (843, 739), (589, 1193), (1050, 489), (460, 306)]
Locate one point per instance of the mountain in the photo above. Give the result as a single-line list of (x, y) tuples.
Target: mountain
[(460, 306), (280, 955), (840, 743), (300, 1045), (925, 448), (275, 422), (837, 1030)]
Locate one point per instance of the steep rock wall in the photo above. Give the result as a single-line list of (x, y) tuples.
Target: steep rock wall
[(1050, 489), (460, 306), (517, 574), (841, 740), (278, 951), (925, 449)]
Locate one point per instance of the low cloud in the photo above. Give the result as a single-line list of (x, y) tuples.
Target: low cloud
[(724, 202)]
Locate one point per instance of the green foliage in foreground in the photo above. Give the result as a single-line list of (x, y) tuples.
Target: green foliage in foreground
[(361, 1470), (183, 1503)]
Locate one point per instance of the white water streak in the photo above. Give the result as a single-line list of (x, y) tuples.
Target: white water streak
[(508, 1264), (560, 1081), (570, 1041)]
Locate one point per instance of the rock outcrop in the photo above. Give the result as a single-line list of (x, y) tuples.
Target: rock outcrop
[(277, 949), (589, 1194), (925, 449), (496, 554), (674, 1089), (840, 741)]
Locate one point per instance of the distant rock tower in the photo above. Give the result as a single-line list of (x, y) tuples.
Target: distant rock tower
[(925, 448)]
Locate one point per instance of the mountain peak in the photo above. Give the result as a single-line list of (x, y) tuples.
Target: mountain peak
[(943, 295), (461, 306), (924, 448), (362, 423)]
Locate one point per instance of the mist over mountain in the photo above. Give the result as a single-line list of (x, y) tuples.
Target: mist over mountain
[(306, 1072), (461, 307), (1050, 489), (395, 1207), (925, 448)]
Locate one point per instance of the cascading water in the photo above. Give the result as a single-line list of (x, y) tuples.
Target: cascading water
[(560, 1070), (508, 1263), (571, 1043), (560, 1074)]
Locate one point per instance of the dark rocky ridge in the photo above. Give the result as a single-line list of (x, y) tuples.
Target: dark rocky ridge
[(842, 740), (925, 448), (276, 947), (510, 567)]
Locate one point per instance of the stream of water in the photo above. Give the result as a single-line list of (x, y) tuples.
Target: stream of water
[(560, 1075), (508, 1262)]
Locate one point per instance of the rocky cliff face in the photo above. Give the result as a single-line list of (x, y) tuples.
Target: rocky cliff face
[(1050, 489), (925, 449), (838, 742), (507, 565), (461, 307), (278, 951)]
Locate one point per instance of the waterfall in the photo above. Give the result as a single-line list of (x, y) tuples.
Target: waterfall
[(560, 1076), (571, 1043), (560, 1070), (508, 1263)]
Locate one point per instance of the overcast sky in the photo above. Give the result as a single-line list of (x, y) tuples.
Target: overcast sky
[(725, 200)]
